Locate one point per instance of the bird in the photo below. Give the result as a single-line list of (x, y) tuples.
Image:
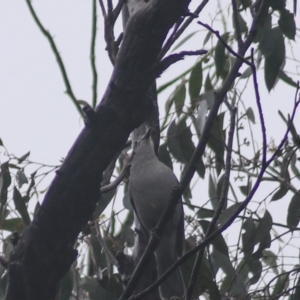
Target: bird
[(150, 186)]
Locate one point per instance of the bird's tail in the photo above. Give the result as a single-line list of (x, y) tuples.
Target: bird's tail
[(173, 286)]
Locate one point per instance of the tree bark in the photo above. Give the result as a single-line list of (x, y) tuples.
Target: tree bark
[(45, 251)]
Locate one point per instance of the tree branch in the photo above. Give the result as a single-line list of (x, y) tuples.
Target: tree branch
[(92, 54), (61, 65), (46, 245)]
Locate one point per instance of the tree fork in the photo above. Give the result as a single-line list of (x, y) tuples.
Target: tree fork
[(45, 251)]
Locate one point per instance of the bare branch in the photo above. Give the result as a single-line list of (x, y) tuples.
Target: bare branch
[(260, 111), (216, 32), (102, 8), (178, 31), (173, 58), (93, 55), (61, 65), (124, 173)]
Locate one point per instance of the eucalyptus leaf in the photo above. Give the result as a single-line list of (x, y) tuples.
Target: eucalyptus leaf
[(220, 56), (264, 227), (287, 24), (273, 48), (195, 81), (293, 215)]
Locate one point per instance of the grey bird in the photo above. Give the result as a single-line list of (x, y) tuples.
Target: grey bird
[(150, 186)]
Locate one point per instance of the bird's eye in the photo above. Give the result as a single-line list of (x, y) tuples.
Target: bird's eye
[(135, 144)]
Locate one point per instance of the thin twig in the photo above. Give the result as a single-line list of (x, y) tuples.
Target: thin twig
[(109, 23), (260, 111), (109, 7), (69, 90), (122, 175), (117, 10), (217, 34), (173, 58), (109, 256), (102, 8), (179, 32), (92, 54)]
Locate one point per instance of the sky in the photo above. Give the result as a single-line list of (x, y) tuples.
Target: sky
[(35, 113)]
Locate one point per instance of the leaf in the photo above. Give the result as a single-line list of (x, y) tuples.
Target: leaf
[(109, 288), (296, 291), (220, 56), (5, 181), (255, 267), (248, 237), (204, 213), (227, 214), (185, 39), (164, 156), (264, 227), (21, 178), (3, 285), (172, 81), (250, 114), (21, 206), (208, 85), (284, 77), (173, 142), (293, 215), (269, 258), (220, 184), (185, 140), (273, 48), (246, 3), (212, 187), (12, 225), (102, 203), (223, 262), (207, 37), (66, 286), (293, 166), (126, 198), (218, 242), (245, 189), (277, 4), (126, 235), (287, 24), (217, 140), (36, 209), (23, 157), (284, 173), (195, 81), (241, 22), (263, 27), (179, 98), (205, 279), (282, 283), (280, 193), (181, 145), (247, 73)]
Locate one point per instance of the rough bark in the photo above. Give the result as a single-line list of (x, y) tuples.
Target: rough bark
[(45, 251)]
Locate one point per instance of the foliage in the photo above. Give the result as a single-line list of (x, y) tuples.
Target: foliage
[(259, 258)]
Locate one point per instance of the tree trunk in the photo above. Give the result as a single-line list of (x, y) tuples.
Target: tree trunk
[(45, 251)]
